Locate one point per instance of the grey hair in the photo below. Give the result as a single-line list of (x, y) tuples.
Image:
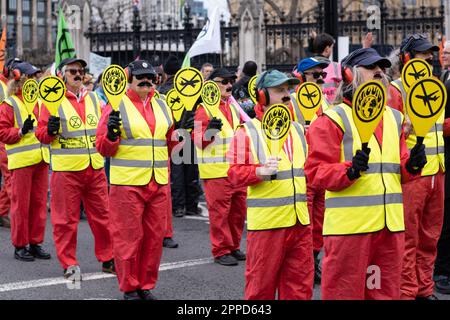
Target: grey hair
[(357, 81), (14, 86), (394, 72)]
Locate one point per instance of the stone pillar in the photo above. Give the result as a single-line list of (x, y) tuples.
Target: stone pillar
[(4, 17), (19, 35), (34, 25), (251, 34), (49, 22)]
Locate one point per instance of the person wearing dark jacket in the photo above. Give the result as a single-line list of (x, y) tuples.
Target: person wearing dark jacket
[(240, 88)]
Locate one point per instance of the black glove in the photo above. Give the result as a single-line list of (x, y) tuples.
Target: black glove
[(187, 121), (27, 125), (215, 123), (114, 123), (53, 126), (360, 163), (417, 159)]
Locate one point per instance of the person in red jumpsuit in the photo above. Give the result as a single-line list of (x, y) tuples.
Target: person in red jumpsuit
[(279, 248), (29, 171), (139, 180), (363, 223), (226, 204), (77, 171), (423, 198)]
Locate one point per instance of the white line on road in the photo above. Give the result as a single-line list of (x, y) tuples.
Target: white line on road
[(93, 276)]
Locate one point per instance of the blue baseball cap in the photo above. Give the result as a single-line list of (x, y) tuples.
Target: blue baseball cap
[(365, 57), (310, 63), (27, 68)]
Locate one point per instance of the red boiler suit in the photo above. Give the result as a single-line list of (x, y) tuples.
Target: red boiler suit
[(227, 204), (68, 189), (347, 257), (280, 259), (5, 191), (423, 202), (29, 187), (138, 213)]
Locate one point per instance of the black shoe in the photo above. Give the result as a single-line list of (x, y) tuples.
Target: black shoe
[(5, 222), (22, 254), (226, 260), (169, 243), (178, 213), (442, 284), (132, 295), (194, 212), (238, 254), (36, 251), (146, 295), (432, 297), (317, 269), (109, 267)]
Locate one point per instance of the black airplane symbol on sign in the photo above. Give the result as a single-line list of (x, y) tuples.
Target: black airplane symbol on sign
[(418, 74), (191, 82), (428, 98), (51, 90), (175, 100), (310, 96)]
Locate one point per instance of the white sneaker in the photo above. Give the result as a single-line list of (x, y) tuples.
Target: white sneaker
[(73, 273)]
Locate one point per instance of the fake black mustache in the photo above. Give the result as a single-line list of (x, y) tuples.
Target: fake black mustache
[(77, 78), (320, 81), (286, 99), (145, 84), (229, 89), (378, 76)]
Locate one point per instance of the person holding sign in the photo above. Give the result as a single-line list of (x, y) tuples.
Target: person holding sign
[(279, 238), (136, 133), (311, 70), (226, 204), (68, 122), (423, 198), (29, 170), (363, 224)]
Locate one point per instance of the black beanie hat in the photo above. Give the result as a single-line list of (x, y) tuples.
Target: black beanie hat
[(172, 65), (250, 68)]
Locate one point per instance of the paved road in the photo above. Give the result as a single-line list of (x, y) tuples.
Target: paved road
[(187, 273)]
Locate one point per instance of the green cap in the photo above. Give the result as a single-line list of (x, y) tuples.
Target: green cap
[(274, 78)]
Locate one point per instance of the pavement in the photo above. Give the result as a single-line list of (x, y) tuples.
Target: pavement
[(186, 273)]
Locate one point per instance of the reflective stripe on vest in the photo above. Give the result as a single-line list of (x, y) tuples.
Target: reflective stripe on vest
[(297, 113), (141, 154), (373, 201), (28, 151), (74, 148), (278, 203), (3, 91), (212, 162)]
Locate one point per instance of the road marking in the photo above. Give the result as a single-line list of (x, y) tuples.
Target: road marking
[(94, 276)]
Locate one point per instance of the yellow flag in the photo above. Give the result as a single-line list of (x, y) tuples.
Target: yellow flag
[(414, 70), (173, 100), (309, 99), (211, 94), (276, 124), (30, 93)]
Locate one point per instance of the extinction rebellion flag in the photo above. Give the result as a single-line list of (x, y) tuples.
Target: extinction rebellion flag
[(64, 43)]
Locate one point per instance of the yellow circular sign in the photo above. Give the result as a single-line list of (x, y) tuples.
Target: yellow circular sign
[(309, 95), (188, 82), (415, 70), (114, 80), (369, 103), (211, 94), (276, 122), (252, 88), (425, 104), (51, 90), (173, 100), (30, 91)]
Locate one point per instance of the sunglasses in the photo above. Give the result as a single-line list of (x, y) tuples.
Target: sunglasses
[(372, 67), (147, 76), (226, 81), (74, 72), (317, 75)]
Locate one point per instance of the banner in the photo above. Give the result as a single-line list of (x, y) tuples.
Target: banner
[(97, 64)]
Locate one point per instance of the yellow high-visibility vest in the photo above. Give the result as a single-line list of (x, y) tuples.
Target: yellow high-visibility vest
[(142, 154), (212, 162), (374, 201), (278, 203), (434, 140), (73, 149), (28, 151)]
